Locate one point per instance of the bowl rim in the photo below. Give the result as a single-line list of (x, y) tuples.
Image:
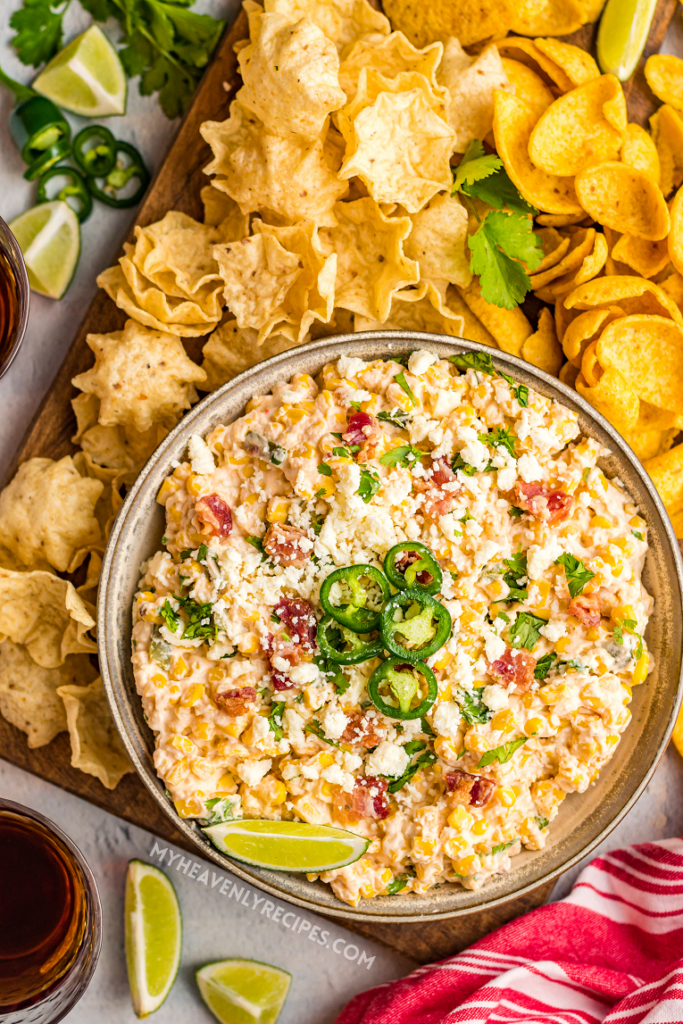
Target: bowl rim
[(357, 343)]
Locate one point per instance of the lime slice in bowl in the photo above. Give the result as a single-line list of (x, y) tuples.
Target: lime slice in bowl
[(154, 936), (287, 845), (624, 28), (243, 991), (49, 236), (86, 77)]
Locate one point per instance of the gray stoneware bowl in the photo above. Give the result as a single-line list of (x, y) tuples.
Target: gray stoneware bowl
[(585, 819)]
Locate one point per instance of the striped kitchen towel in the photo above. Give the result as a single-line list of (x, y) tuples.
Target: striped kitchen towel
[(611, 952)]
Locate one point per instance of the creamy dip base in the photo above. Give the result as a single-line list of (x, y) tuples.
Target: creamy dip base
[(249, 721)]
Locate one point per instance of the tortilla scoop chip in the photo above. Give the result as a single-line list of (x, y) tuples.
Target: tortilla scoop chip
[(419, 309), (47, 514), (469, 110), (647, 258), (114, 447), (342, 21), (231, 349), (470, 21), (527, 86), (664, 75), (46, 614), (648, 353), (586, 328), (220, 211), (96, 746), (667, 132), (390, 56), (584, 127), (632, 294), (438, 241), (624, 199), (639, 151), (513, 123), (114, 282), (666, 472), (577, 64), (28, 692), (546, 17), (612, 397), (509, 327), (542, 348)]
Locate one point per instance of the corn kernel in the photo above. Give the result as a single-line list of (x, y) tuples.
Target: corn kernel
[(278, 510), (169, 487), (188, 808), (601, 523), (504, 721), (442, 661), (195, 485), (480, 827), (562, 644), (553, 693), (423, 847), (325, 759), (455, 846), (233, 729), (201, 730), (173, 693), (194, 693), (640, 671), (637, 523), (593, 633), (507, 796), (216, 674), (446, 749), (182, 743), (179, 669), (460, 819), (475, 742), (248, 643), (177, 772), (445, 689), (293, 414), (325, 789), (467, 866), (532, 726), (159, 680)]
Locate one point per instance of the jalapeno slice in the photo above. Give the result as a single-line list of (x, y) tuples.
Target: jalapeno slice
[(52, 156), (74, 189), (345, 646), (354, 612), (425, 627), (118, 178), (412, 565), (395, 686), (96, 161)]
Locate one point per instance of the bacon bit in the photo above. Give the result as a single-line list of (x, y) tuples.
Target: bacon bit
[(544, 503), (514, 668), (368, 799), (438, 502), (283, 545), (215, 515), (469, 789), (364, 430), (299, 618), (235, 701), (361, 731), (586, 608)]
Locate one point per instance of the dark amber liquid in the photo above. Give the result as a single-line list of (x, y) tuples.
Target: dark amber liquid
[(9, 309), (42, 910)]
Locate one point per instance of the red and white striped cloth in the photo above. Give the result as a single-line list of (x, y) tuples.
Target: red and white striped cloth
[(611, 952)]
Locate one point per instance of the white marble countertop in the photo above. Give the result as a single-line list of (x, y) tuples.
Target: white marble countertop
[(327, 974)]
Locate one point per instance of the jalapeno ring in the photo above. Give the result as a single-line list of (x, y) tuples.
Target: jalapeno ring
[(77, 190), (119, 177), (418, 628), (423, 573), (403, 686), (361, 650), (99, 160), (356, 616)]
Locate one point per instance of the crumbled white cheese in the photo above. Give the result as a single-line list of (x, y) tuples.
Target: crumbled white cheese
[(351, 762), (507, 478), (554, 629), (310, 771), (251, 772), (293, 726), (494, 646), (541, 557), (446, 719), (529, 468), (333, 721), (495, 697), (476, 454), (337, 777), (302, 674), (350, 366), (200, 455), (420, 361), (387, 759), (260, 728)]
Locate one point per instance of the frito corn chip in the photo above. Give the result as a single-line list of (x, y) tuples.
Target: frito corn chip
[(142, 377), (554, 248), (546, 17), (249, 164), (646, 258), (667, 131), (438, 241), (563, 318), (639, 151), (400, 149), (594, 262), (561, 220), (526, 51), (513, 123), (664, 74), (542, 348), (151, 307), (28, 692), (279, 275), (672, 286), (220, 211), (388, 55), (470, 21), (342, 21), (675, 240), (577, 64), (581, 244), (473, 329), (624, 199), (632, 294), (96, 746), (586, 328), (47, 514), (46, 615), (469, 110), (584, 127), (418, 309), (677, 523), (654, 432), (527, 86), (647, 351), (612, 397), (230, 350), (666, 472), (509, 327), (568, 375), (371, 265)]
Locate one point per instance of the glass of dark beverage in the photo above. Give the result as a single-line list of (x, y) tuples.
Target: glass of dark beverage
[(50, 919), (14, 297)]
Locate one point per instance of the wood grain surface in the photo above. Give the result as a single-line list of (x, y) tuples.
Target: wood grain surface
[(176, 187)]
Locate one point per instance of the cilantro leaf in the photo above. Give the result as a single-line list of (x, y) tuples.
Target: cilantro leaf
[(256, 542), (501, 754), (333, 670), (576, 572), (517, 570), (186, 553), (501, 241), (480, 361), (522, 395), (222, 809), (474, 710), (628, 625), (200, 624), (503, 846), (459, 463), (515, 512), (324, 469), (202, 553), (170, 616), (423, 761), (400, 379), (541, 822), (404, 455), (370, 484), (38, 25), (275, 718), (501, 436), (397, 884), (544, 664), (397, 418), (316, 729), (474, 166), (499, 192), (525, 631), (637, 534)]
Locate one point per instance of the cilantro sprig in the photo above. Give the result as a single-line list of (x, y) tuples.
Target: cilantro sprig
[(628, 626), (473, 708), (517, 571), (400, 379), (501, 754), (526, 631), (397, 417), (369, 485), (423, 761), (576, 572), (483, 363), (505, 239), (275, 718), (500, 437), (404, 455)]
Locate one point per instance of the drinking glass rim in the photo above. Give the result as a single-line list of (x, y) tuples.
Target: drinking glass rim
[(16, 259)]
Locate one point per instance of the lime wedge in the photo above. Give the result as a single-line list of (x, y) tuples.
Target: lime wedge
[(243, 991), (623, 32), (154, 936), (86, 77), (49, 236), (287, 845)]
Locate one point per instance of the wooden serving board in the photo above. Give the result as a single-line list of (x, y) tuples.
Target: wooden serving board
[(176, 187)]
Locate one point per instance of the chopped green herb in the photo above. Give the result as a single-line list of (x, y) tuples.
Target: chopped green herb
[(275, 718), (200, 624), (413, 747), (526, 631), (222, 809), (544, 664), (517, 571), (316, 729), (576, 572), (503, 846), (370, 484), (275, 618), (586, 473), (423, 761), (397, 884), (317, 524), (397, 417), (356, 406), (324, 469), (426, 728), (522, 395), (164, 539), (501, 754), (501, 437), (515, 512), (474, 710), (628, 626), (202, 553), (500, 247), (480, 361), (170, 616), (541, 822), (400, 379), (459, 463), (637, 534), (186, 553), (331, 669), (255, 542), (342, 453), (405, 455)]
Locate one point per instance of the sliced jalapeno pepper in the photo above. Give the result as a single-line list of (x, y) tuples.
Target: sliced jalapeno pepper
[(35, 124), (75, 189), (99, 160), (394, 687), (345, 646), (50, 158), (354, 612), (425, 628), (412, 565), (118, 178)]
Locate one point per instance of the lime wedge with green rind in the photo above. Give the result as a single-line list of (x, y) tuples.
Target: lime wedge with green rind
[(86, 77), (624, 28), (154, 936), (287, 845), (49, 236), (243, 991)]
